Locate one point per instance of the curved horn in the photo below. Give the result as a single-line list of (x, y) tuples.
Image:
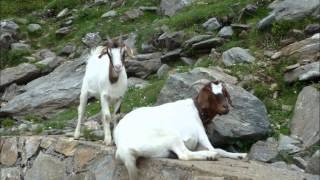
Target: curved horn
[(200, 81)]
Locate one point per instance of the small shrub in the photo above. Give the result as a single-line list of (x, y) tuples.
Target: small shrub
[(7, 122)]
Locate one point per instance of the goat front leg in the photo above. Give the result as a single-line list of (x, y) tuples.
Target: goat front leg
[(204, 141), (81, 112), (117, 106), (106, 119)]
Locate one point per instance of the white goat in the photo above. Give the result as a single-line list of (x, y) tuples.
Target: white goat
[(176, 127), (105, 79)]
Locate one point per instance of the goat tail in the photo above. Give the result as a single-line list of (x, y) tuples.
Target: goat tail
[(128, 157)]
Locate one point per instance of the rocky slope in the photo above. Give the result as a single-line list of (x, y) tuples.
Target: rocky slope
[(267, 53)]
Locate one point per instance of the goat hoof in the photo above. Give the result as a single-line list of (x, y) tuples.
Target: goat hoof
[(242, 156)]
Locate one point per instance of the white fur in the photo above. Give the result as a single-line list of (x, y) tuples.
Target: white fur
[(96, 84), (155, 131), (216, 88)]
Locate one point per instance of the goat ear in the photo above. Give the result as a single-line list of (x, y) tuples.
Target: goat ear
[(129, 51), (226, 94)]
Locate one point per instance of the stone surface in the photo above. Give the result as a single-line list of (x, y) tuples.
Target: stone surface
[(305, 49), (66, 146), (64, 12), (171, 7), (34, 28), (225, 32), (108, 14), (163, 71), (265, 151), (10, 92), (171, 40), (236, 55), (137, 83), (313, 165), (196, 39), (290, 10), (305, 122), (147, 56), (91, 39), (207, 45), (171, 56), (9, 151), (248, 118), (142, 69), (188, 61), (303, 73), (31, 146), (63, 31), (20, 74), (50, 93), (288, 144), (312, 29), (132, 14), (68, 49), (20, 47), (96, 161), (211, 24), (11, 173), (46, 167)]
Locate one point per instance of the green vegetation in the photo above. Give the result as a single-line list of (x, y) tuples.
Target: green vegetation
[(89, 135), (7, 122)]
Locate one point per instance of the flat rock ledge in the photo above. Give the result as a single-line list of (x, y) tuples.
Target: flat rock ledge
[(57, 157)]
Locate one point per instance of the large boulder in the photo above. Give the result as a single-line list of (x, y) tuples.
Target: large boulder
[(211, 24), (303, 73), (290, 10), (142, 69), (236, 55), (171, 40), (171, 7), (247, 120), (305, 49), (265, 151), (92, 39), (49, 93), (313, 165), (306, 120), (20, 74)]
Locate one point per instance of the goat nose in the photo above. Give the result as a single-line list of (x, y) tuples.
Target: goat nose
[(117, 67)]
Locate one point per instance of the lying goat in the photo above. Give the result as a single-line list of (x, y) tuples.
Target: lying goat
[(106, 79), (176, 127)]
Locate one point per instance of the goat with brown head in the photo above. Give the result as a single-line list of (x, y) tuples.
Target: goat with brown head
[(212, 99)]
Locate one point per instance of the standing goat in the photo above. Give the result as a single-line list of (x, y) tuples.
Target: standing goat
[(176, 127), (105, 79)]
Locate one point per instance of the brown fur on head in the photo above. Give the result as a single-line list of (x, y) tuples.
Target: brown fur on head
[(211, 102), (116, 43)]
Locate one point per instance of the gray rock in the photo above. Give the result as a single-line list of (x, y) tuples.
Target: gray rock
[(149, 8), (171, 7), (170, 40), (188, 61), (196, 39), (20, 74), (12, 173), (240, 26), (142, 69), (108, 14), (31, 146), (46, 167), (63, 31), (91, 39), (288, 144), (6, 39), (68, 49), (163, 71), (34, 28), (9, 151), (265, 151), (132, 14), (289, 10), (134, 82), (313, 165), (303, 73), (171, 56), (305, 121), (20, 47), (225, 32), (63, 13), (147, 48), (143, 57), (9, 26), (300, 162), (131, 40), (248, 118), (207, 45), (50, 93), (312, 29), (236, 55), (291, 167), (10, 92), (211, 24), (22, 127)]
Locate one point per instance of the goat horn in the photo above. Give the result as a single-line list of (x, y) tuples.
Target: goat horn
[(200, 81)]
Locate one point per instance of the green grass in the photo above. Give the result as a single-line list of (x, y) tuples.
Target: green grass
[(12, 58), (7, 122), (142, 97)]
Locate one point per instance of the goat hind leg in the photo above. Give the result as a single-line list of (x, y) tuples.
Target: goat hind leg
[(226, 154), (81, 112)]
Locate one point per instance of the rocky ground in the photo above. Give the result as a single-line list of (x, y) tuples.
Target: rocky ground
[(267, 52)]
